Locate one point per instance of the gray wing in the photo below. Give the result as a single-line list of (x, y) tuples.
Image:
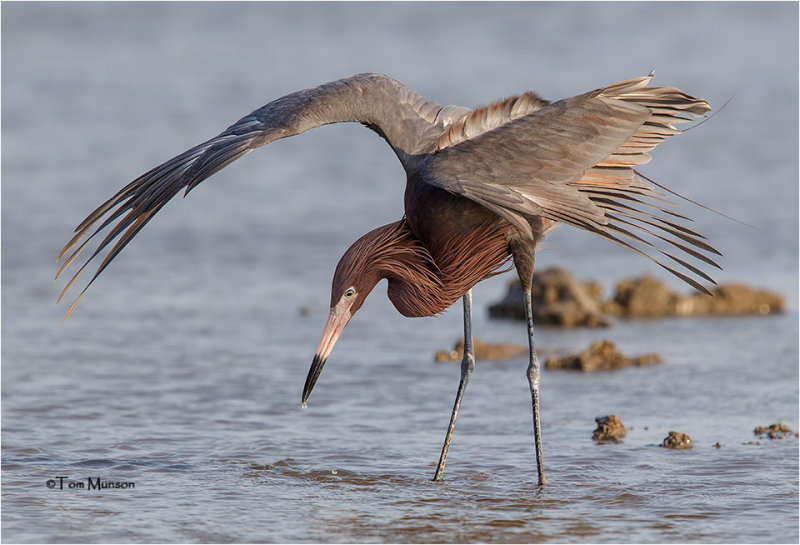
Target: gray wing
[(573, 162), (405, 119)]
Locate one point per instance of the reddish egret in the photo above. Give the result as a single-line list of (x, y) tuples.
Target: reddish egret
[(482, 185)]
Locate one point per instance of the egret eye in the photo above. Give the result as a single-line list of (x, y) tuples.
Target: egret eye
[(350, 292)]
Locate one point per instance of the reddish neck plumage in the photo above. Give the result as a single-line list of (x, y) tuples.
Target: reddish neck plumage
[(419, 283)]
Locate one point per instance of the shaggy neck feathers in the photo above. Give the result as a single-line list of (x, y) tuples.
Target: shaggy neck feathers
[(422, 281)]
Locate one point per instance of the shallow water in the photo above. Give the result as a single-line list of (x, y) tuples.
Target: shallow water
[(181, 370)]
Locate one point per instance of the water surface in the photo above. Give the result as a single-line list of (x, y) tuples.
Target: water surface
[(182, 369)]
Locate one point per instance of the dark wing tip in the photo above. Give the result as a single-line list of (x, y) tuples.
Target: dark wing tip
[(134, 205)]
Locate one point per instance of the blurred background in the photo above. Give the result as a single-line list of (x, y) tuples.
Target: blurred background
[(182, 367)]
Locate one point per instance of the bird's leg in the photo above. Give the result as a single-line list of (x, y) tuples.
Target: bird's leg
[(533, 380), (467, 365)]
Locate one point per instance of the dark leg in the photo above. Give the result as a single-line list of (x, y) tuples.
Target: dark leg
[(467, 365), (533, 379)]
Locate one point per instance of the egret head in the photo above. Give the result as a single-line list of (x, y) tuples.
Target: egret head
[(356, 275)]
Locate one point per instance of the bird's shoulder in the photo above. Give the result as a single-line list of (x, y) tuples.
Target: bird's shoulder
[(472, 123)]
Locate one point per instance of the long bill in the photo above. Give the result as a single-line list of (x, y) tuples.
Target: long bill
[(333, 328)]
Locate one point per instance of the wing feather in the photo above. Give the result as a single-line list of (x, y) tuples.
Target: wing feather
[(573, 162), (405, 119)]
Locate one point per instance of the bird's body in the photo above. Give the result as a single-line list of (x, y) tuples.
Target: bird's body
[(482, 185)]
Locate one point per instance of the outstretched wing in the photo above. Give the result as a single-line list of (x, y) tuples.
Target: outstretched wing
[(404, 118), (573, 162)]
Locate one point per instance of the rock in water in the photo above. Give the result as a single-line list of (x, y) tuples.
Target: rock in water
[(601, 356), (731, 299), (647, 297), (677, 440), (643, 297), (774, 431), (609, 428), (483, 351), (558, 299)]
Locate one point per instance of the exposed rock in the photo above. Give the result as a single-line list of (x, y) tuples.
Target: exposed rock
[(677, 440), (483, 351), (643, 297), (774, 431), (558, 299), (647, 297), (601, 356), (609, 428), (731, 299)]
